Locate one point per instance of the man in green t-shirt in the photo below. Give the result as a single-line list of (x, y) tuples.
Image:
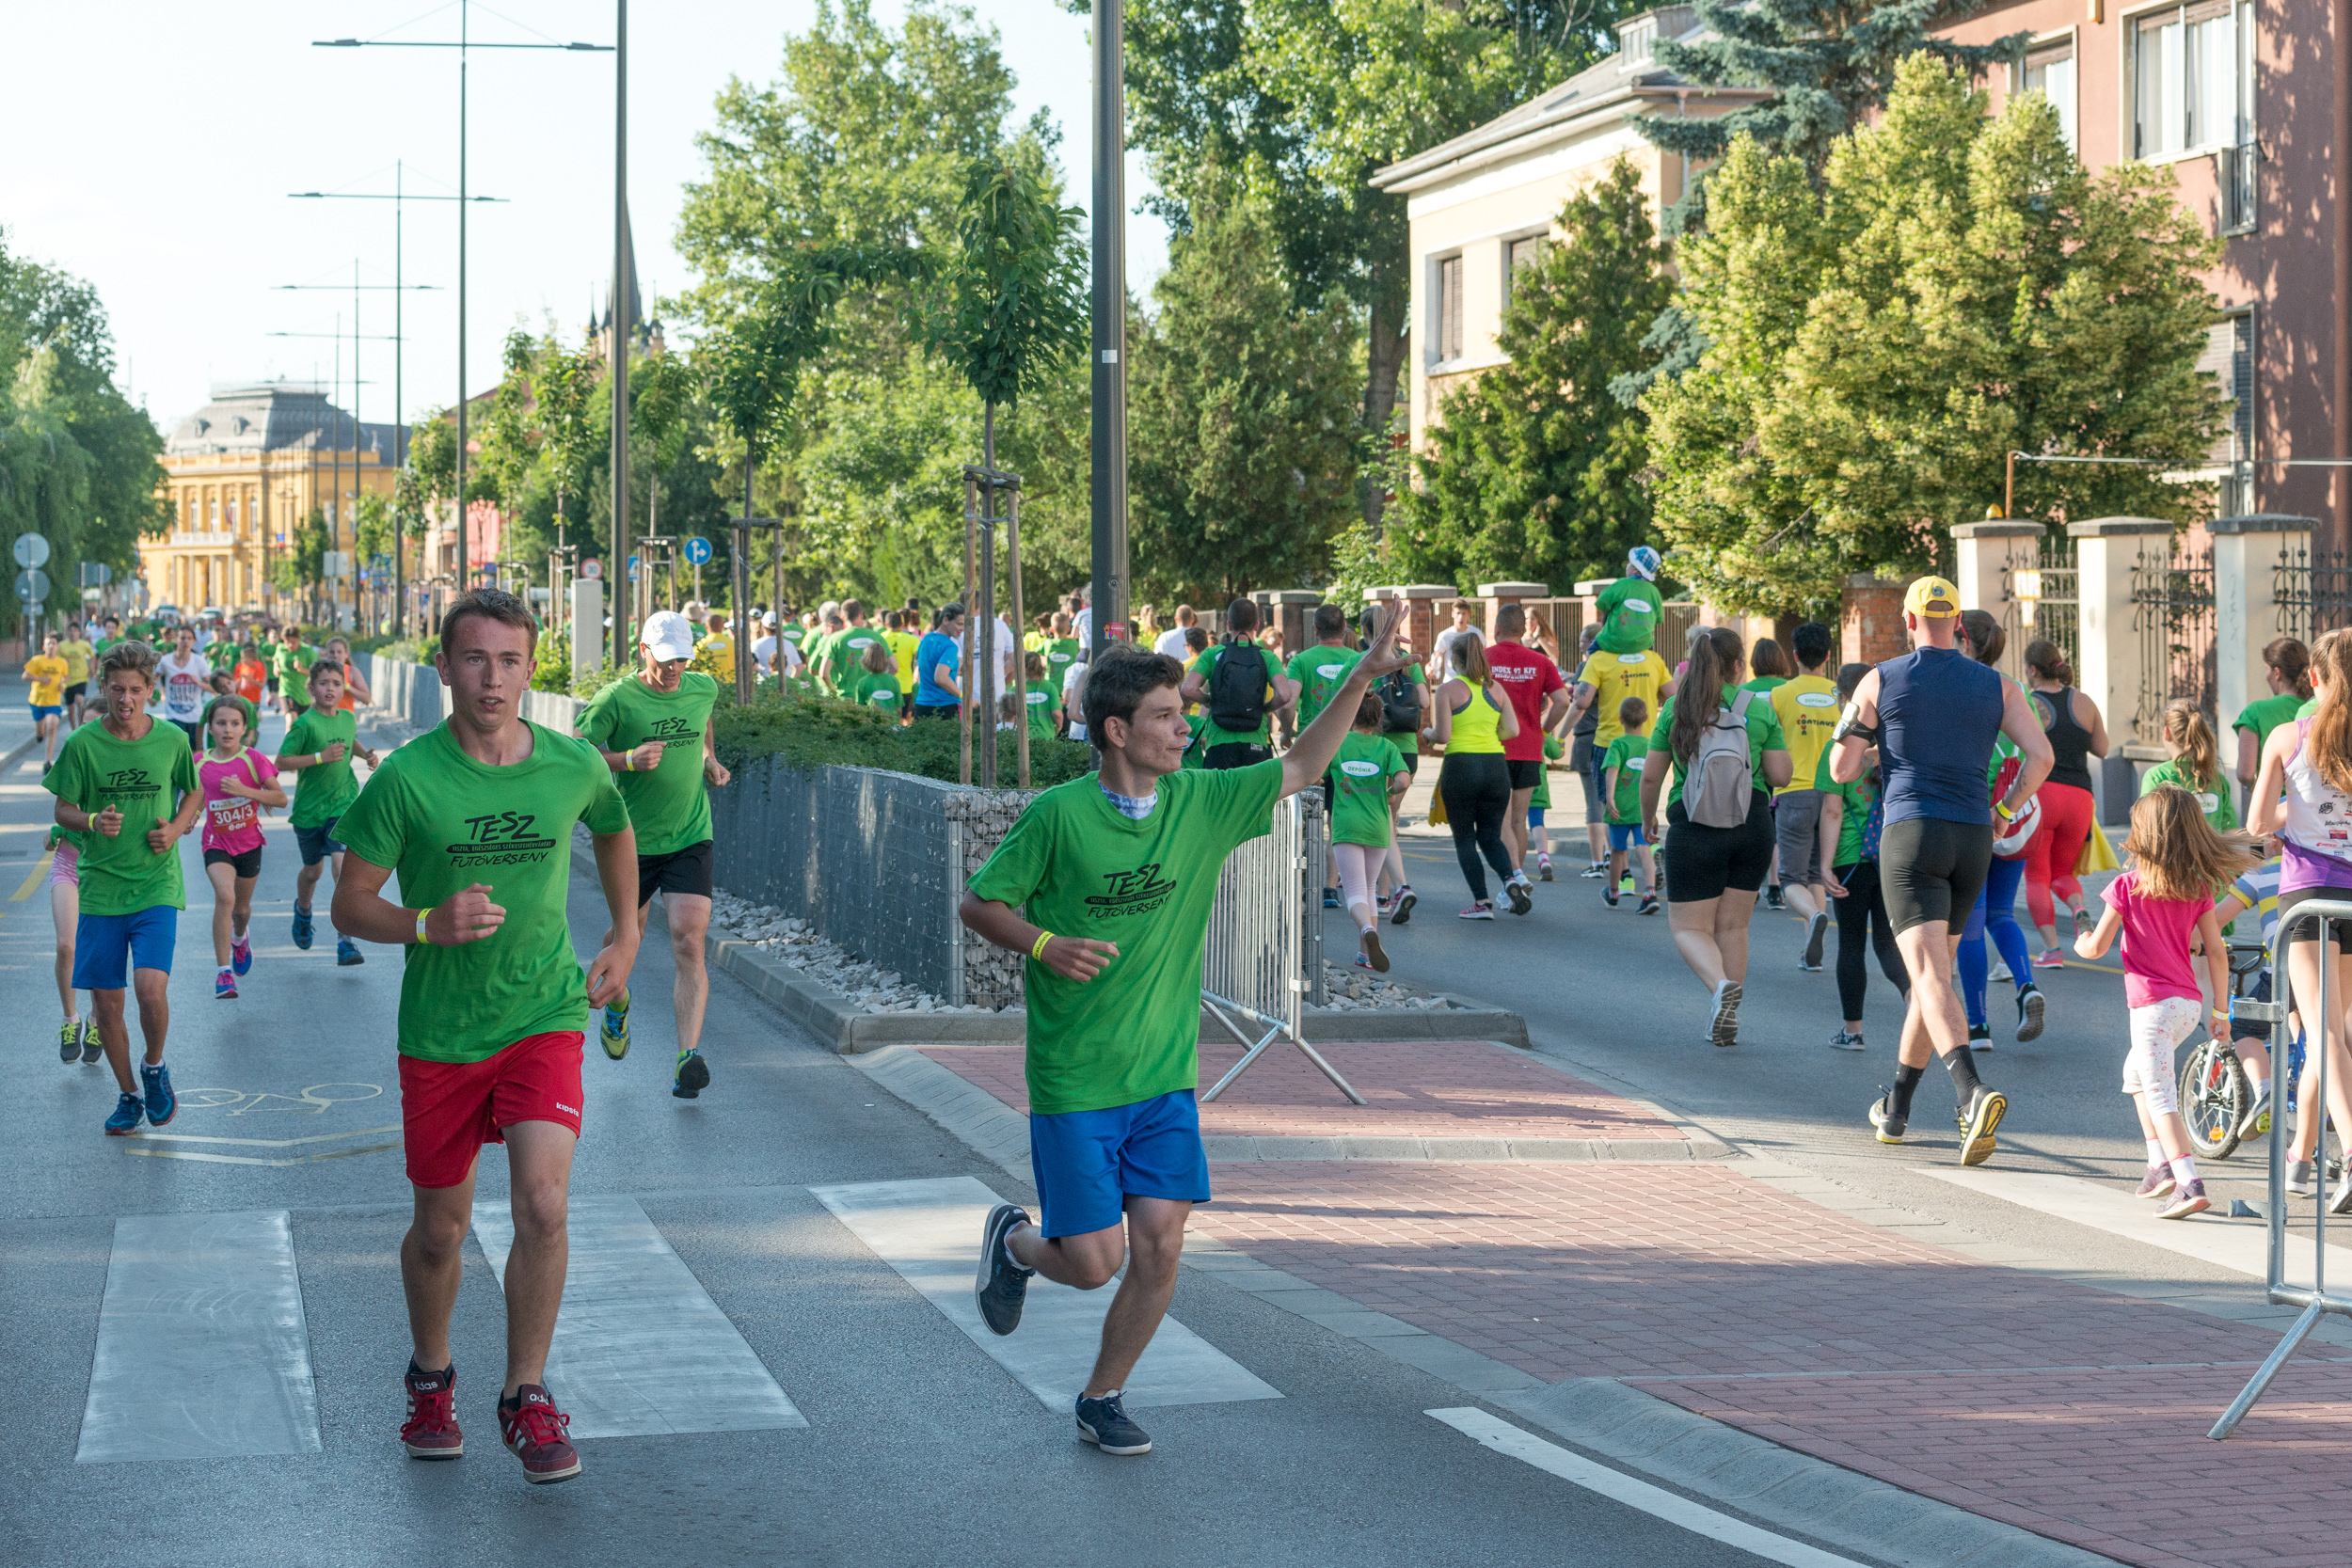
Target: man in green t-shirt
[(476, 817), (127, 790), (290, 661), (1106, 883), (1234, 742), (1630, 606), (845, 654), (319, 746), (1318, 670), (654, 732)]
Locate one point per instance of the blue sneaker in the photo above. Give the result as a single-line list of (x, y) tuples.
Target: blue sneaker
[(1330, 898), (692, 1077), (162, 1104), (129, 1111), (302, 927), (347, 952), (241, 956), (1104, 1423), (616, 1031), (1003, 1285), (225, 985)]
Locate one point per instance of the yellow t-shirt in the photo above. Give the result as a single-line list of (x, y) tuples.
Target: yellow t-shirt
[(1807, 708), (902, 645), (47, 673), (720, 647), (1613, 678), (77, 655)]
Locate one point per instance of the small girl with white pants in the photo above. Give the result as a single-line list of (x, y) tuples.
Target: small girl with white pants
[(1366, 776), (2158, 906)]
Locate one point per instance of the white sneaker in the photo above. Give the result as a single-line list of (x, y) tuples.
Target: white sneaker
[(2000, 970)]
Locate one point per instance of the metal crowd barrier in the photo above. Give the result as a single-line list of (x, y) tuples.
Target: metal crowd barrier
[(2314, 1299), (1265, 954)]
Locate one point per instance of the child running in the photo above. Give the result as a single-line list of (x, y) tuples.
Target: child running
[(2194, 764), (1367, 776), (2165, 898), (47, 673), (77, 1036), (1621, 769), (127, 785), (319, 745), (237, 782)]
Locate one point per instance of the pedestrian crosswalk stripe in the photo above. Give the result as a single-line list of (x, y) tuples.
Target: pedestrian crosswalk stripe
[(640, 1347), (202, 1351), (929, 1231)]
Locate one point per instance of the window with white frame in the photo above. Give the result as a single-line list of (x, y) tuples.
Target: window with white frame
[(1448, 309), (2192, 78), (2049, 69)]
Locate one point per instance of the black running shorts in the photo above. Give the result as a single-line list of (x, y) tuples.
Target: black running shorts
[(1930, 870), (1526, 773), (1705, 863), (685, 870)]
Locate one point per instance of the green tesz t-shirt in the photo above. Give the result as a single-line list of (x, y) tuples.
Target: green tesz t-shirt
[(667, 805), (1629, 754), (440, 822), (292, 668), (1320, 671), (325, 787), (1360, 788), (142, 779), (1082, 869)]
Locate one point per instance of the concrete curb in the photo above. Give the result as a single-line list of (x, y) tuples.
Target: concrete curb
[(1778, 1486)]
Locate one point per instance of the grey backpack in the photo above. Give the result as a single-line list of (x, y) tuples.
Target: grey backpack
[(1718, 783)]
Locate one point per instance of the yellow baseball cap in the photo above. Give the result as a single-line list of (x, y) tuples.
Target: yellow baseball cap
[(1932, 596)]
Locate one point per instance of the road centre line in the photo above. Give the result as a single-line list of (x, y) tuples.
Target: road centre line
[(1500, 1435), (202, 1348), (640, 1347), (928, 1232), (33, 878)]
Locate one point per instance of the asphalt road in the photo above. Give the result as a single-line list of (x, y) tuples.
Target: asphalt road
[(918, 1448)]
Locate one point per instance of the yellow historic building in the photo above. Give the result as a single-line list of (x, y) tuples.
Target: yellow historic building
[(240, 473)]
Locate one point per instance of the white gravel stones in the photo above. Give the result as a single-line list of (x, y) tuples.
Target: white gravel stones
[(792, 941), (1348, 988)]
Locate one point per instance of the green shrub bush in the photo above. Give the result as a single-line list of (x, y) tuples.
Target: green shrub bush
[(817, 731)]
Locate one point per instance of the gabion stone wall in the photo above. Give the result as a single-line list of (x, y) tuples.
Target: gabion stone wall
[(981, 819)]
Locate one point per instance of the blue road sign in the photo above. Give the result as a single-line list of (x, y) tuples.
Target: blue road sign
[(632, 568), (697, 550)]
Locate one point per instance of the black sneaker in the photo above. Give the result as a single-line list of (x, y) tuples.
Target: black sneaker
[(1609, 896), (1984, 1115), (92, 1047), (1401, 908), (1520, 891), (1885, 1122), (1002, 1287), (1981, 1037), (1814, 930), (2030, 1004), (692, 1075), (1773, 897), (1104, 1423)]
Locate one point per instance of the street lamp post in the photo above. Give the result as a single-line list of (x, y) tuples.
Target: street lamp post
[(1109, 498)]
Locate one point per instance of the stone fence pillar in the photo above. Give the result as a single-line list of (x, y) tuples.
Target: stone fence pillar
[(2108, 647), (1425, 611), (1989, 555), (1497, 594), (2245, 612), (1872, 619)]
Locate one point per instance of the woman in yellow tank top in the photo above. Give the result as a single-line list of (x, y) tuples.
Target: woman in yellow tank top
[(1473, 721)]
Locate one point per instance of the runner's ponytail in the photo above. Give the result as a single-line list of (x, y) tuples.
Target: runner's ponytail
[(2185, 726), (1716, 659)]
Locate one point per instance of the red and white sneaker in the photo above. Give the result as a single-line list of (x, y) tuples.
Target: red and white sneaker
[(535, 1430), (431, 1429)]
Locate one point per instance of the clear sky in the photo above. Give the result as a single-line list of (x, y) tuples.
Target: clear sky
[(155, 144)]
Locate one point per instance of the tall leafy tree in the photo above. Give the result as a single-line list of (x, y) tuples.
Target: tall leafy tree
[(1955, 288), (1535, 471), (1242, 413)]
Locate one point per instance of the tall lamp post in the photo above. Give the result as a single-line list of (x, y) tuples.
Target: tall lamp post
[(1109, 498), (464, 44)]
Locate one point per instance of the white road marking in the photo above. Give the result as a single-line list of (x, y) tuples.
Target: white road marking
[(639, 1346), (929, 1231), (2237, 1245), (202, 1351), (1500, 1435)]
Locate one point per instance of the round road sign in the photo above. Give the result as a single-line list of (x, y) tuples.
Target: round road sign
[(31, 551), (592, 568), (32, 587), (697, 550)]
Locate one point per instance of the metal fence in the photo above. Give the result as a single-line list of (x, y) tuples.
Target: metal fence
[(2043, 600), (2313, 590), (2172, 615), (1265, 957)]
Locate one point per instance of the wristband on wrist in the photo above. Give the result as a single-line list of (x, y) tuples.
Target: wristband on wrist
[(629, 762), (421, 919), (2000, 809), (1037, 952)]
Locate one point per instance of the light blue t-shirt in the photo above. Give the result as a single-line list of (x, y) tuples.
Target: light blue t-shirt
[(937, 648)]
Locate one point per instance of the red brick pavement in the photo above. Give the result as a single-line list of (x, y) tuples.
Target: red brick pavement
[(1417, 1088), (1673, 1276)]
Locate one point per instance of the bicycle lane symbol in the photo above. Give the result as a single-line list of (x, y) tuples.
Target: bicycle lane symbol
[(313, 1101)]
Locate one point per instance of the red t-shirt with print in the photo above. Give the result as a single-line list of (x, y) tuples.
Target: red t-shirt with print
[(1529, 677)]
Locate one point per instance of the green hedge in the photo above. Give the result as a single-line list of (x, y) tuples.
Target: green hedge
[(816, 732)]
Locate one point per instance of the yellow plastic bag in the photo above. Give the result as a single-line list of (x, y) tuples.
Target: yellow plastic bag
[(2098, 854), (1437, 808)]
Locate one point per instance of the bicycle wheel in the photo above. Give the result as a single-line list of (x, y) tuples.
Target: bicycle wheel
[(2214, 1094)]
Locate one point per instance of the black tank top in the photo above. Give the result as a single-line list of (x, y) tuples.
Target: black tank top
[(2068, 741)]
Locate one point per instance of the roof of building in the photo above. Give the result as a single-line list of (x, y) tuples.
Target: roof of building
[(1625, 78), (275, 415)]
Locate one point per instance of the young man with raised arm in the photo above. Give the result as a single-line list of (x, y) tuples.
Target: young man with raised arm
[(1106, 883), (476, 818)]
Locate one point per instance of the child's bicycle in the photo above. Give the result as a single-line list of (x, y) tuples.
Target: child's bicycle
[(2216, 1093)]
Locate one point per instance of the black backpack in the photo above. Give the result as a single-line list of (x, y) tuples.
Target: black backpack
[(1400, 702), (1238, 688)]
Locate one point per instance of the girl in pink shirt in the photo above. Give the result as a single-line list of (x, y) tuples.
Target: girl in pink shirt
[(2158, 906), (238, 783)]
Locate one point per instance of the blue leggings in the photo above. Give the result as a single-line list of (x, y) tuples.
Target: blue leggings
[(1997, 912)]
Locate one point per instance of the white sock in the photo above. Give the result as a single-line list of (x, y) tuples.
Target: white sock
[(2184, 1169), (1361, 929), (2155, 1153)]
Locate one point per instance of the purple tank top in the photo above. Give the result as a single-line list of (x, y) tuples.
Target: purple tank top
[(2315, 841)]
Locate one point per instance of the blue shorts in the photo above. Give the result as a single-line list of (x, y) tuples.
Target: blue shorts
[(1534, 817), (41, 711), (103, 943), (1626, 835), (1088, 1163), (319, 842)]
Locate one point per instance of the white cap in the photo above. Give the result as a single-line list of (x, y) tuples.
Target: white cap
[(768, 619), (669, 634)]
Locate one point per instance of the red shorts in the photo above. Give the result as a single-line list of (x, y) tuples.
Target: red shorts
[(449, 1110)]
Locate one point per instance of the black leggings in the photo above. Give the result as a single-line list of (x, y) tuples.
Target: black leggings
[(1476, 788), (1863, 913)]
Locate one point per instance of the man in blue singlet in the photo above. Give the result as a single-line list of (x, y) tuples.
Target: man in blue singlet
[(1933, 716)]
